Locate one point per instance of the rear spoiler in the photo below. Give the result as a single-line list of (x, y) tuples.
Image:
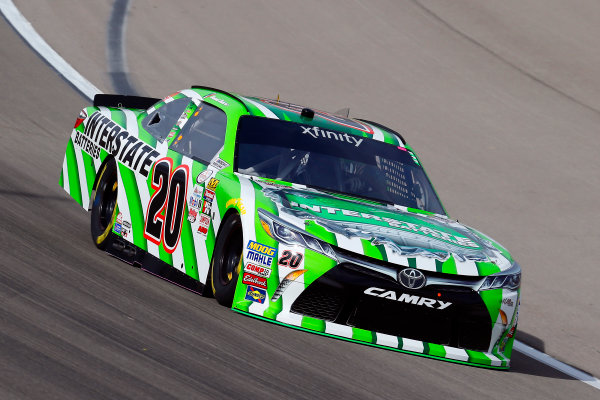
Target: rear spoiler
[(122, 101)]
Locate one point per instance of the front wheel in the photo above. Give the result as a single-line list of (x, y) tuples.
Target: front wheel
[(104, 206), (227, 260)]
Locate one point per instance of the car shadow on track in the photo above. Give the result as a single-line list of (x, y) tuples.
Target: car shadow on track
[(523, 364)]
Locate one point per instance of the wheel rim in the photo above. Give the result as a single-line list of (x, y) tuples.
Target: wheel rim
[(232, 258), (108, 202)]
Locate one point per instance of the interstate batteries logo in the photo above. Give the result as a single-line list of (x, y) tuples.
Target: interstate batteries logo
[(101, 132)]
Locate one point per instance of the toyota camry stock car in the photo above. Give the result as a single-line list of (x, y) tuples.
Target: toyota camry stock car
[(293, 215)]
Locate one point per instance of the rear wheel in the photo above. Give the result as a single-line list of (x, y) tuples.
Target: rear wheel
[(227, 260), (104, 206)]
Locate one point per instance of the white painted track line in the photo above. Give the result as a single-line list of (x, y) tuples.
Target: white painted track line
[(560, 366), (21, 25)]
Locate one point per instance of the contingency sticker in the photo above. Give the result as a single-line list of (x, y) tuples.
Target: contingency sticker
[(255, 294)]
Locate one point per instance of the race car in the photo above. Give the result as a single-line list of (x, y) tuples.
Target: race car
[(297, 216)]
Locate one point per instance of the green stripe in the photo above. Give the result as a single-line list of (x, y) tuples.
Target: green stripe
[(376, 252), (364, 335), (493, 302), (61, 179), (313, 324), (486, 268), (449, 266), (135, 207), (74, 185), (90, 170), (475, 358)]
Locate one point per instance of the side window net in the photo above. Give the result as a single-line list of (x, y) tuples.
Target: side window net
[(160, 122), (203, 135)]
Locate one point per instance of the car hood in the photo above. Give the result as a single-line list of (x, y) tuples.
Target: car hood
[(391, 233)]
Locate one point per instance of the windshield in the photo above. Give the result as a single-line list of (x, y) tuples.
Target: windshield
[(334, 161)]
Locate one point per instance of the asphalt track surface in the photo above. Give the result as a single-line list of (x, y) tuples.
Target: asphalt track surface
[(501, 100)]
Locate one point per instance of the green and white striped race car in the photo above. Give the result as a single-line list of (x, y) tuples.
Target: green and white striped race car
[(292, 215)]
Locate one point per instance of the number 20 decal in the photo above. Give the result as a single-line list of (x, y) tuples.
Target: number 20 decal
[(290, 259), (170, 194)]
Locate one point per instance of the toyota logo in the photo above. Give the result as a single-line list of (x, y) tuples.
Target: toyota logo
[(412, 278)]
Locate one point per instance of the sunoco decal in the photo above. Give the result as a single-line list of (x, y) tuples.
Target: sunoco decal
[(255, 294)]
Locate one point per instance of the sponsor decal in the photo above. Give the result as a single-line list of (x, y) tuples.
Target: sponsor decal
[(213, 96), (219, 163), (257, 270), (255, 294), (509, 302), (259, 258), (289, 278), (166, 208), (289, 259), (315, 133), (102, 133), (209, 195), (82, 116), (407, 226), (237, 203), (203, 176), (212, 184), (192, 214), (261, 248), (206, 206), (195, 201), (258, 281), (204, 223), (126, 232), (118, 223), (408, 298)]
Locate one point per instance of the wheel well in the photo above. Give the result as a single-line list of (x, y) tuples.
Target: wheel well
[(97, 178), (228, 213)]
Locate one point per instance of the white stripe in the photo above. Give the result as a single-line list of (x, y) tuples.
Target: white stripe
[(191, 93), (456, 354), (178, 260), (65, 171), (426, 263), (377, 134), (248, 222), (353, 244), (132, 126), (562, 367), (387, 340), (97, 164), (142, 186), (122, 202), (106, 112), (21, 25), (495, 360), (466, 267), (395, 258), (289, 296), (412, 345), (338, 329), (85, 194), (268, 113)]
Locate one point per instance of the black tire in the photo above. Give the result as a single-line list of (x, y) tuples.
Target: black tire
[(227, 260), (104, 206)]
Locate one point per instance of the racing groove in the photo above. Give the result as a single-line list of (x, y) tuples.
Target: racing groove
[(77, 324)]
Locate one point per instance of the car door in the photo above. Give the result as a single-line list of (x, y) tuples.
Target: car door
[(181, 184)]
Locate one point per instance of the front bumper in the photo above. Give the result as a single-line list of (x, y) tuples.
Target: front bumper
[(340, 304)]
